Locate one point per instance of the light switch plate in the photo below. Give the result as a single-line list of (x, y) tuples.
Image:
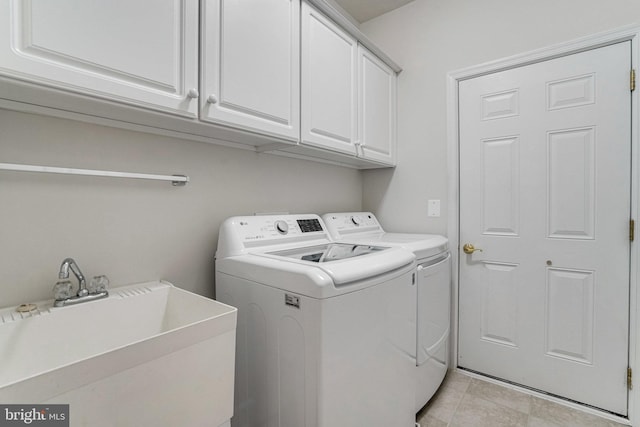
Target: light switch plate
[(433, 208)]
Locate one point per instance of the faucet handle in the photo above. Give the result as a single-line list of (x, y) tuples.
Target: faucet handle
[(62, 290), (98, 284)]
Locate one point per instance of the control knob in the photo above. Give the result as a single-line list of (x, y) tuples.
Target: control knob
[(355, 220), (282, 227)]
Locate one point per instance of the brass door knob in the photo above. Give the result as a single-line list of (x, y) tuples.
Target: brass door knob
[(468, 248)]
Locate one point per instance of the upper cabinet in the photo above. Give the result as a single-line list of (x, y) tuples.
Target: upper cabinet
[(377, 108), (251, 65), (292, 77), (329, 84), (129, 51)]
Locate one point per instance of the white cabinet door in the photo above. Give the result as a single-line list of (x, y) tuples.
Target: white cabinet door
[(329, 89), (251, 65), (377, 108), (124, 50)]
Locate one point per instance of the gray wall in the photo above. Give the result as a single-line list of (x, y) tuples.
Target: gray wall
[(430, 38), (133, 230)]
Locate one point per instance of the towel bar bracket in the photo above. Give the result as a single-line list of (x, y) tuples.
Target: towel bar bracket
[(180, 183)]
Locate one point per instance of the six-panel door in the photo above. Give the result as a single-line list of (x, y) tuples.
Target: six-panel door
[(545, 155)]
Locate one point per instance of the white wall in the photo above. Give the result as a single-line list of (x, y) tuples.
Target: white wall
[(430, 38), (135, 230)]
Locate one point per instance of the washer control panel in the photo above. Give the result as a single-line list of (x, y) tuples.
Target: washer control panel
[(268, 227), (242, 234)]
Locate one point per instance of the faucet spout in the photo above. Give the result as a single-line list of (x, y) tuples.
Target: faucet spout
[(70, 264), (62, 289)]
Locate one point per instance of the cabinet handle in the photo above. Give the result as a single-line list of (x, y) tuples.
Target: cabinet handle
[(193, 93), (212, 99)]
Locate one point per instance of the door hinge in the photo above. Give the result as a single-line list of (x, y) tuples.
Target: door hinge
[(629, 379), (632, 230), (632, 80)]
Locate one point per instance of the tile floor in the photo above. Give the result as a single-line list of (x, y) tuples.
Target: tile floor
[(463, 401)]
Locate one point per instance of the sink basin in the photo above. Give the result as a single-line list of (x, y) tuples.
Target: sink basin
[(149, 354)]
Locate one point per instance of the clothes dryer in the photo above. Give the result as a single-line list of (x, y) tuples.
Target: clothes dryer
[(324, 330), (432, 294)]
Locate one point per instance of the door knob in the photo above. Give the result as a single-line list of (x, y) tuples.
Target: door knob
[(468, 248), (211, 99)]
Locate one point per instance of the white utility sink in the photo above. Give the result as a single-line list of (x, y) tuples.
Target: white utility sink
[(150, 354)]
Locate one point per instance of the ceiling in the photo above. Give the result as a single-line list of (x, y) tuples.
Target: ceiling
[(364, 10)]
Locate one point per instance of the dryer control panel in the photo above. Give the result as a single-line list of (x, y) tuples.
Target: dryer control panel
[(345, 223)]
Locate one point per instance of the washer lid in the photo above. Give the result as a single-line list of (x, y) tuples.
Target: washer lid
[(344, 263), (329, 252)]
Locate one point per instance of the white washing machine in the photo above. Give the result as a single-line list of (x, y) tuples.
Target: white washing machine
[(433, 293), (324, 330)]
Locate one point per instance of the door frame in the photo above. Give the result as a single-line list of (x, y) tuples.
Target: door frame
[(627, 33)]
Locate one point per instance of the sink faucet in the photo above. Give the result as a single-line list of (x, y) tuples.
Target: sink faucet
[(67, 264), (62, 288)]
